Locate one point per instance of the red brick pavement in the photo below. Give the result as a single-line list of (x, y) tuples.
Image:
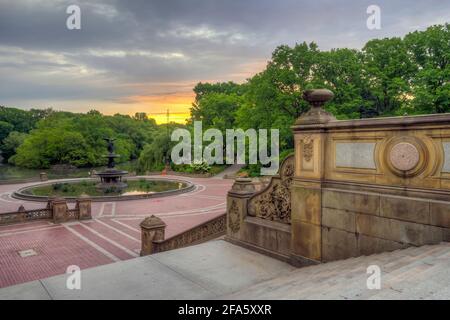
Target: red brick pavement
[(112, 235)]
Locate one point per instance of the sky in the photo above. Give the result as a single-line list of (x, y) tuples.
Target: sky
[(146, 55)]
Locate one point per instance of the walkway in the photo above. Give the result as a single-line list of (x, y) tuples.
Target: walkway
[(112, 235), (218, 269)]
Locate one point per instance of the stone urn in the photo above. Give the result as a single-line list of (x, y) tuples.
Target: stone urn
[(316, 114)]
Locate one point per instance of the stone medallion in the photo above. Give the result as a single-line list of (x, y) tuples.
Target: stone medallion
[(404, 156)]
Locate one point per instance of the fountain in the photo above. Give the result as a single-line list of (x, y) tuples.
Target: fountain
[(109, 188), (111, 179)]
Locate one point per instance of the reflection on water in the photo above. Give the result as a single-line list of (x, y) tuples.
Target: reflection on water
[(135, 193), (89, 188)]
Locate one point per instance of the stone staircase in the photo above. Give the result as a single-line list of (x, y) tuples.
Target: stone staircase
[(412, 273), (220, 270)]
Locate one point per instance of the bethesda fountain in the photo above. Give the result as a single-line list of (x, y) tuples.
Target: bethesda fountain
[(110, 187), (111, 178)]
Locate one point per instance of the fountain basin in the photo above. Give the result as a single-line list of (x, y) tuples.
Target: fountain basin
[(135, 188)]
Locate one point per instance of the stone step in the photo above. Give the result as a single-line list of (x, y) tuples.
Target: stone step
[(346, 279)]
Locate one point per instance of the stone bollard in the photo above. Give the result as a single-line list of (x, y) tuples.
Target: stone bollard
[(241, 191), (43, 176), (152, 229), (59, 210), (83, 207)]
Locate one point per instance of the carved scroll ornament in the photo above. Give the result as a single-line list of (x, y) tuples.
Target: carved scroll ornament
[(274, 202)]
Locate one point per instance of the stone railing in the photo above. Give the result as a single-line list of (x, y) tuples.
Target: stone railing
[(23, 215), (153, 230), (261, 220), (56, 211)]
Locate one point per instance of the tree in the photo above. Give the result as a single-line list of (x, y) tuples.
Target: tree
[(154, 155), (388, 70), (5, 129), (430, 51), (11, 143), (340, 70)]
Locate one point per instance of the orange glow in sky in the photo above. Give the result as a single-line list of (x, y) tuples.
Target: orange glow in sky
[(156, 107)]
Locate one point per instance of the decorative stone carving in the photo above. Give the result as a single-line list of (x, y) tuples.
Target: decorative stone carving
[(274, 202), (208, 230), (234, 217), (404, 156), (308, 148), (316, 114)]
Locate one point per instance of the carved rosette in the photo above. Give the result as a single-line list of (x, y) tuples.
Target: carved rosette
[(234, 217), (405, 156), (274, 202)]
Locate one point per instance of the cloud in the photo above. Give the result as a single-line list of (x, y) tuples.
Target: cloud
[(132, 53)]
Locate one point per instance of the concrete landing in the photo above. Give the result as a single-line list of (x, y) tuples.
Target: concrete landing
[(205, 271), (218, 269)]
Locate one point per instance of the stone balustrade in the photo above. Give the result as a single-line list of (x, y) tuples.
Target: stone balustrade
[(153, 234), (56, 211)]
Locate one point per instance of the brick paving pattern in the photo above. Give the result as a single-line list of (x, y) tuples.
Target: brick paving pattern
[(112, 235)]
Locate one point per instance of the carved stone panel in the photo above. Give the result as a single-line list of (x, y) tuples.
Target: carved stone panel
[(234, 217), (274, 202), (308, 148), (355, 155), (446, 167)]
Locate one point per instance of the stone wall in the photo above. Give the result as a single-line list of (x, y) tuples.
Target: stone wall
[(362, 223), (366, 186), (357, 187)]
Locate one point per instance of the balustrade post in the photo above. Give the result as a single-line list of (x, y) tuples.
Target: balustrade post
[(59, 210), (152, 229), (83, 206), (241, 191)]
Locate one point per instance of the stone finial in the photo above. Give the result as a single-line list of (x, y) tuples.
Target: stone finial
[(152, 222), (316, 114)]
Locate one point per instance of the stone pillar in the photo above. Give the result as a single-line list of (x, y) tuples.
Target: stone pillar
[(241, 191), (152, 229), (43, 176), (306, 190), (83, 207), (59, 210)]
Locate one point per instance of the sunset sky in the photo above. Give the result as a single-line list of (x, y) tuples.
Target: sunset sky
[(146, 56)]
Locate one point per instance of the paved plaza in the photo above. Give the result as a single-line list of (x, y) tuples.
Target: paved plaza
[(112, 235)]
